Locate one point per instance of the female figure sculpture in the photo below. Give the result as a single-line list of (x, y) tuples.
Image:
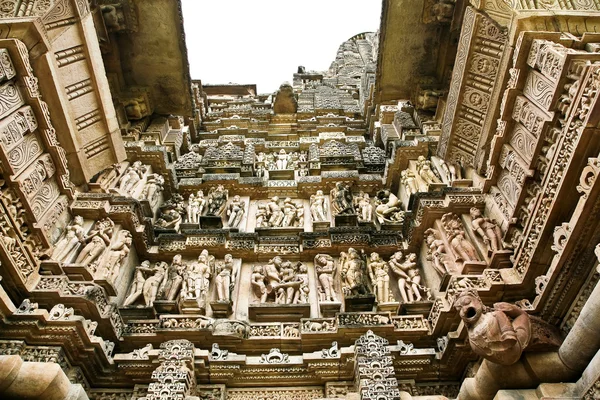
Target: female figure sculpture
[(75, 235), (317, 207), (325, 268)]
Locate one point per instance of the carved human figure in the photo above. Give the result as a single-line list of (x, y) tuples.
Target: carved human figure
[(451, 171), (257, 280), (364, 207), (341, 200), (262, 216), (409, 279), (74, 236), (388, 207), (153, 283), (285, 290), (262, 172), (197, 279), (380, 279), (425, 171), (217, 199), (137, 285), (437, 249), (225, 278), (488, 229), (408, 179), (131, 178), (301, 295), (290, 212), (97, 241), (353, 266), (108, 176), (499, 334), (282, 160), (275, 212), (326, 269), (152, 188), (462, 248), (235, 212), (193, 210), (118, 252), (317, 207), (172, 284)]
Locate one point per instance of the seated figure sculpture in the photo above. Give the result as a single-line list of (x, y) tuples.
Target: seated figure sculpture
[(499, 334)]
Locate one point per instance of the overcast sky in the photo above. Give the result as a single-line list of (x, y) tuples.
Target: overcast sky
[(264, 41)]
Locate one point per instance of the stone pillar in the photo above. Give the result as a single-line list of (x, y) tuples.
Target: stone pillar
[(375, 376), (175, 375), (35, 380), (583, 341)]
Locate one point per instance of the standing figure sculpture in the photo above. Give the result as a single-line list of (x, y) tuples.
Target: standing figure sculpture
[(275, 212), (325, 268), (462, 248), (152, 188), (137, 285), (437, 253), (97, 241), (364, 207), (172, 284), (408, 179), (380, 279), (318, 207), (353, 268), (488, 229), (217, 200), (425, 171), (499, 334), (226, 274), (235, 212), (130, 179), (342, 200), (75, 235), (153, 283), (257, 280), (409, 279), (118, 252), (197, 279)]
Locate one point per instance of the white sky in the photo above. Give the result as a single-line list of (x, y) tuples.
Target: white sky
[(264, 41)]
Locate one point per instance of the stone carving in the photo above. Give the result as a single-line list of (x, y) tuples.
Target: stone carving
[(409, 278), (131, 178), (152, 188), (353, 273), (318, 207), (60, 312), (196, 281), (235, 212), (380, 279), (388, 207), (117, 254), (425, 171), (147, 281), (342, 200), (436, 252), (488, 230), (280, 282), (363, 205), (280, 214), (27, 307), (73, 238), (217, 354), (171, 285), (96, 241), (171, 213), (332, 352), (461, 247), (217, 200), (326, 270), (196, 207), (225, 276), (499, 334), (453, 171), (408, 179), (275, 356), (143, 353)]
